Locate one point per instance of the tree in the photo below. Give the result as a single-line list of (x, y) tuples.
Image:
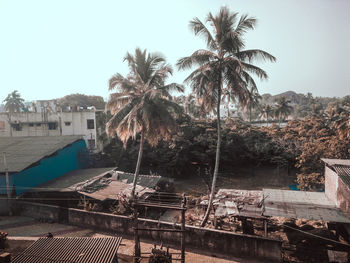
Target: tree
[(252, 101), (283, 109), (224, 65), (80, 100), (142, 103), (14, 102), (266, 111)]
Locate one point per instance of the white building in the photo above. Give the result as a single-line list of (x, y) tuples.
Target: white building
[(51, 124)]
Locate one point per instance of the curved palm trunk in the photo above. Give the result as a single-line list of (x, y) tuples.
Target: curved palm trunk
[(217, 160), (139, 159)]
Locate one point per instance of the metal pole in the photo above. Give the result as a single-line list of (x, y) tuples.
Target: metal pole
[(7, 177)]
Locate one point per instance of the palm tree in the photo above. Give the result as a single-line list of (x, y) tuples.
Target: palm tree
[(266, 111), (14, 102), (252, 101), (224, 65), (142, 103), (283, 109)]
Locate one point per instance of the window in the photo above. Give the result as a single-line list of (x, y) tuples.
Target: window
[(2, 125), (16, 127), (31, 124), (67, 123), (90, 124), (38, 124), (52, 125), (91, 143)]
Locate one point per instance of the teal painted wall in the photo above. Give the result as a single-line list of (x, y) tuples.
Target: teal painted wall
[(65, 160)]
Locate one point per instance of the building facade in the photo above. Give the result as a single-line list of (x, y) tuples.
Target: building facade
[(27, 124), (337, 182)]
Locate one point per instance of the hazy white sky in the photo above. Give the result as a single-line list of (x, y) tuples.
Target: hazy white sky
[(52, 48)]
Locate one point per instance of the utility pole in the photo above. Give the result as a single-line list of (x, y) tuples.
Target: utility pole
[(7, 177)]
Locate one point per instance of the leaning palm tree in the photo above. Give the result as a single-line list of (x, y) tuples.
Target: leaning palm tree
[(283, 109), (224, 65), (142, 104), (14, 102)]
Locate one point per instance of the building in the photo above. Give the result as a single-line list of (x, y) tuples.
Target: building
[(51, 123), (71, 249), (32, 161), (337, 182)]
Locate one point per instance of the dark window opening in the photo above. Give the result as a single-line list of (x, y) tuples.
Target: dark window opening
[(67, 123), (17, 127), (52, 125), (38, 124), (90, 124), (31, 124)]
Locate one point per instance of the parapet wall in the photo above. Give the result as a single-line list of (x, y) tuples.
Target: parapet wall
[(208, 240)]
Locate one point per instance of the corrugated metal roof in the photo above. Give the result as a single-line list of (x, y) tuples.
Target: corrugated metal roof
[(21, 152), (301, 204), (72, 180), (344, 173), (332, 162), (149, 181), (71, 249)]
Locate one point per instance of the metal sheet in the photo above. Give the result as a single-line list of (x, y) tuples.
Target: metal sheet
[(71, 249), (300, 204), (22, 152)]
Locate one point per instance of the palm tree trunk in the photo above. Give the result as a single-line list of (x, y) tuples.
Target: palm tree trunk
[(139, 159), (250, 114), (217, 159)]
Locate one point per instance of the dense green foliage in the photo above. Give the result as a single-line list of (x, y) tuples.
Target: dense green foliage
[(194, 147)]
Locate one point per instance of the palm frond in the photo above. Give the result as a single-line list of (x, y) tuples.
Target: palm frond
[(255, 54)]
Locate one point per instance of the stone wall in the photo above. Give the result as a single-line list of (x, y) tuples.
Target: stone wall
[(208, 240)]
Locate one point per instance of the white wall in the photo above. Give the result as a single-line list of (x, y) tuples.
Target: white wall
[(35, 124)]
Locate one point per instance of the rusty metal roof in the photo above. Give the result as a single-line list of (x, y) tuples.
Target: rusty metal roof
[(149, 181), (22, 152), (71, 249), (302, 204)]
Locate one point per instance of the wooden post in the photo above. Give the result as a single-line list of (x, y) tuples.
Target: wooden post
[(7, 177), (137, 252), (265, 227), (183, 228)]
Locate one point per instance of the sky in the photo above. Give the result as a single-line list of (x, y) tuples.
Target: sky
[(51, 48)]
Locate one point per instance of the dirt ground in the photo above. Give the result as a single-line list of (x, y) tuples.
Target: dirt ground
[(253, 178)]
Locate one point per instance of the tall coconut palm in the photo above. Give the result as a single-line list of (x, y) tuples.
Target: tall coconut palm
[(142, 104), (223, 65), (283, 109), (14, 102)]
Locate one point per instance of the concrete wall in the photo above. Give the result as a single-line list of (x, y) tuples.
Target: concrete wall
[(331, 185), (4, 208), (343, 196), (214, 241)]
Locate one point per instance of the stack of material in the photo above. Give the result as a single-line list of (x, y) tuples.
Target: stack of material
[(232, 202)]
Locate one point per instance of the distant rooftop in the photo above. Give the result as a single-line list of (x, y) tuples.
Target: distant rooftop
[(302, 204), (21, 152), (341, 167)]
